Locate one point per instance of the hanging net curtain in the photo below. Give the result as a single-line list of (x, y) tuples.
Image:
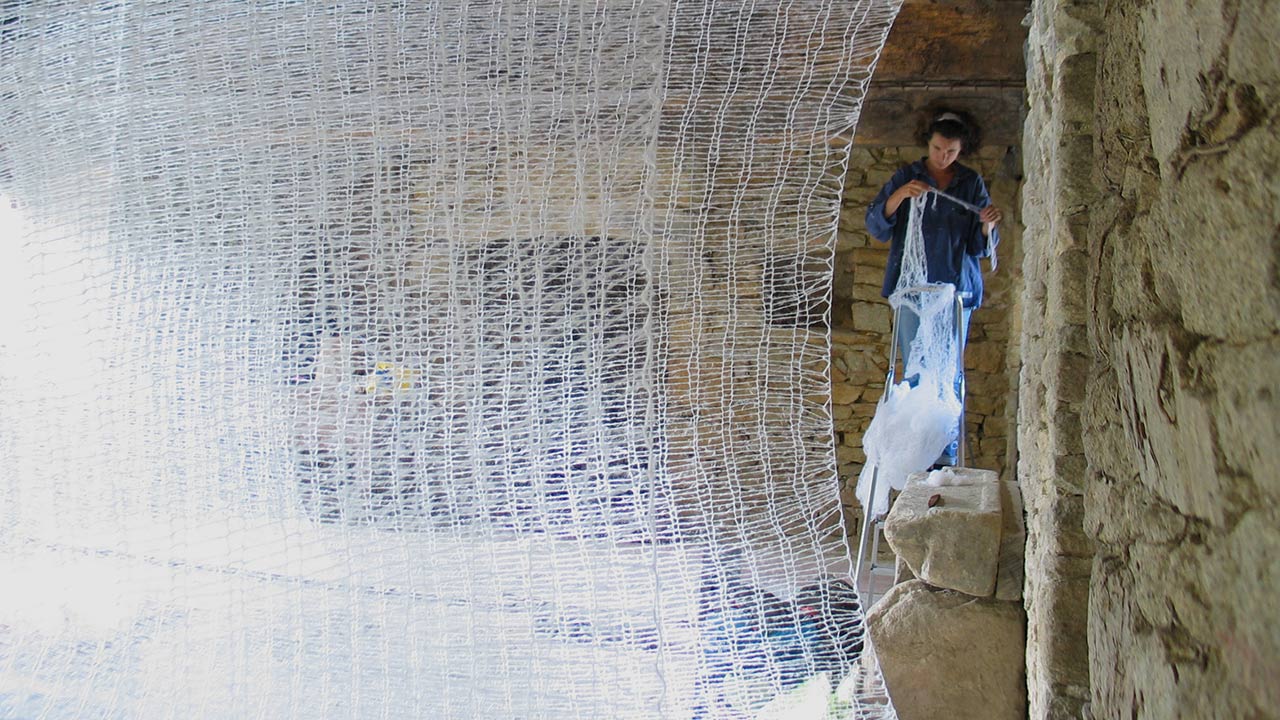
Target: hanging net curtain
[(368, 359)]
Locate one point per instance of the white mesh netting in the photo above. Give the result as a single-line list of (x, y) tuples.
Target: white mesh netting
[(423, 360), (915, 419)]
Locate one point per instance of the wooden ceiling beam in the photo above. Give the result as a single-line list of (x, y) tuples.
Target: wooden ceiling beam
[(965, 54)]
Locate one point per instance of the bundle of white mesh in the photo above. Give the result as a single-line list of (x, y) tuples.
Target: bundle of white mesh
[(424, 360), (918, 417)]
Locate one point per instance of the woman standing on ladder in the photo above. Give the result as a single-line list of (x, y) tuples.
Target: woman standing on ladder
[(956, 234)]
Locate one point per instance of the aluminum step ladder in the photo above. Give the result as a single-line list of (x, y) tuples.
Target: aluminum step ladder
[(868, 567)]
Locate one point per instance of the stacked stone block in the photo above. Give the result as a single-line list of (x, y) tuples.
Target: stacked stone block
[(1055, 371), (950, 639)]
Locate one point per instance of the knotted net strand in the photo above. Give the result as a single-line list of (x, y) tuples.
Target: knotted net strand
[(422, 360)]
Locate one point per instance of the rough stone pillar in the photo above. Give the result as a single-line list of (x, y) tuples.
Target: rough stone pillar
[(1151, 340), (1182, 419), (951, 643), (1058, 154)]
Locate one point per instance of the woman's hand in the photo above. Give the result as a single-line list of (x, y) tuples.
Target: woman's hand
[(913, 189), (990, 216)]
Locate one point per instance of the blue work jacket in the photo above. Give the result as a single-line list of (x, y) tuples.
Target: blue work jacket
[(953, 239)]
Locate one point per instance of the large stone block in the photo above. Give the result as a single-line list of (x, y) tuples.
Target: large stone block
[(944, 654), (844, 393), (954, 541), (871, 317)]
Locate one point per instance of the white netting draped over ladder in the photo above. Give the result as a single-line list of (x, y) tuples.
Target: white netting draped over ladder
[(423, 360)]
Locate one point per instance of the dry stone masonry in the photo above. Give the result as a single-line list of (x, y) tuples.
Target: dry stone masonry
[(1148, 432), (950, 639), (1058, 141)]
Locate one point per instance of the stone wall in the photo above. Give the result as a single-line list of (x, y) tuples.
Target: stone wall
[(1149, 438), (861, 319), (1058, 151)]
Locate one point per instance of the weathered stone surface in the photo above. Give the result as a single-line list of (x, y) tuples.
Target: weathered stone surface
[(947, 655), (955, 543), (1013, 540), (901, 571), (1056, 358), (871, 317), (844, 393), (1148, 402)]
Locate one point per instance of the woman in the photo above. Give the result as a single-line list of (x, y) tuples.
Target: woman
[(954, 236)]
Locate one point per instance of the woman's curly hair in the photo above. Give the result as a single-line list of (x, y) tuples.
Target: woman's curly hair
[(953, 125)]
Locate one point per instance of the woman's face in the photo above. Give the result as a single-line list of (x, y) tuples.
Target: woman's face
[(943, 151)]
